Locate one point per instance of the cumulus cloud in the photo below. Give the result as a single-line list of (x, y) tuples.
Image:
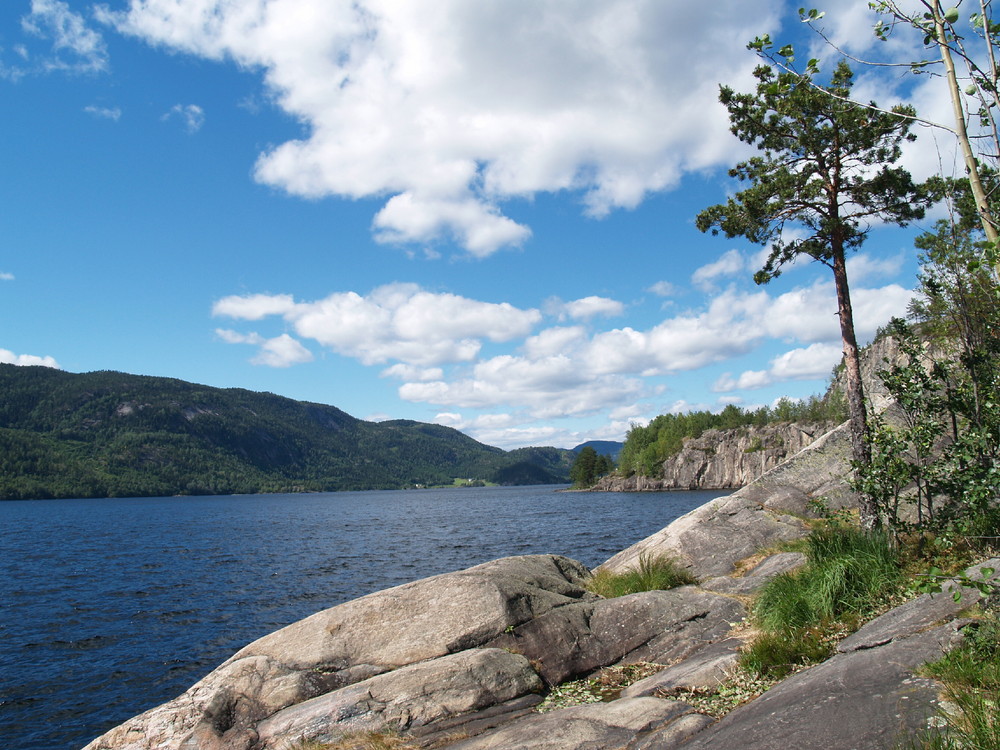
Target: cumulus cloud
[(280, 351), (191, 116), (4, 276), (730, 264), (864, 267), (254, 306), (413, 374), (663, 289), (807, 363), (449, 108), (584, 308), (8, 357), (400, 322), (76, 47), (547, 387)]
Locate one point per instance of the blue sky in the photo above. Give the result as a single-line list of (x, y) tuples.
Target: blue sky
[(477, 214)]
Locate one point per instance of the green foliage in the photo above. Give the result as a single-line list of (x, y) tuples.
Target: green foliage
[(108, 434), (589, 467), (607, 685), (774, 655), (652, 574), (825, 167), (941, 453), (736, 688), (647, 447)]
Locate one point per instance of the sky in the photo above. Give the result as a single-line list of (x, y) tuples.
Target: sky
[(478, 214)]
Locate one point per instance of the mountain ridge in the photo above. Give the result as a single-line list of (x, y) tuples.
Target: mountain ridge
[(106, 433)]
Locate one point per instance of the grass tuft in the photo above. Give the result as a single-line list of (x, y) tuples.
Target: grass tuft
[(776, 655), (654, 573), (849, 576)]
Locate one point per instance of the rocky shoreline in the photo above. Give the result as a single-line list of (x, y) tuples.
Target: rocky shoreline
[(461, 660), (723, 459)]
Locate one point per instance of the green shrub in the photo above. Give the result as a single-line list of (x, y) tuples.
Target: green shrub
[(654, 573)]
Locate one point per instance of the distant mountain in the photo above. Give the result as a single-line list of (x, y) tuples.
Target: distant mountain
[(109, 434), (603, 447)]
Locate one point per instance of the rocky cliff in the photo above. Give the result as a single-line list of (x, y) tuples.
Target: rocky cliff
[(724, 459)]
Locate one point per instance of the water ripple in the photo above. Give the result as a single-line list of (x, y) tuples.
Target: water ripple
[(113, 606)]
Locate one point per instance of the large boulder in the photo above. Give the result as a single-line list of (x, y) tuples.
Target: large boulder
[(651, 626), (593, 727), (355, 641), (410, 697), (866, 700)]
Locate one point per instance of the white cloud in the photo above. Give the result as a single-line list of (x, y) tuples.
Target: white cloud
[(807, 363), (191, 116), (552, 341), (413, 374), (235, 337), (810, 314), (863, 267), (398, 322), (280, 351), (584, 308), (254, 306), (76, 48), (663, 289), (433, 344), (548, 387), (4, 276), (448, 108), (8, 357), (589, 307), (731, 263), (104, 113)]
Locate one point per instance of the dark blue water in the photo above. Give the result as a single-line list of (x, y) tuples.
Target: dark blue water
[(110, 607)]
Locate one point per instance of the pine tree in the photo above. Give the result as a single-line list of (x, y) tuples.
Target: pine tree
[(825, 170)]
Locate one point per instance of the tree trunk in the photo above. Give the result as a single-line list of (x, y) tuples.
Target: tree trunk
[(855, 390)]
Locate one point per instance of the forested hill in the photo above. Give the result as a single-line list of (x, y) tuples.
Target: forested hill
[(108, 434)]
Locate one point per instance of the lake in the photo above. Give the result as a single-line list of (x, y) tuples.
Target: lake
[(112, 606)]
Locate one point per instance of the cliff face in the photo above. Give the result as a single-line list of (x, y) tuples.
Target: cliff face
[(725, 459)]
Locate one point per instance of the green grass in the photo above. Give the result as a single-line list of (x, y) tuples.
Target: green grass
[(849, 573), (848, 576), (653, 573), (776, 655)]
